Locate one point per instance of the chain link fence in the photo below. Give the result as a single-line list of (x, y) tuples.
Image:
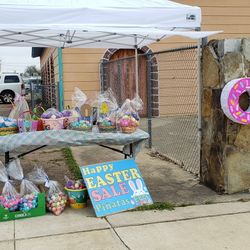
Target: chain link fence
[(43, 94), (168, 86), (175, 132)]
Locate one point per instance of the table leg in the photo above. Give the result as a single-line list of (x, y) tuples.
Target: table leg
[(30, 151), (7, 154), (7, 157), (132, 155)]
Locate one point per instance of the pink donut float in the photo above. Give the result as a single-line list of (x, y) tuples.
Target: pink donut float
[(230, 100)]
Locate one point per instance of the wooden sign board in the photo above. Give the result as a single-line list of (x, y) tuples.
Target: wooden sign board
[(115, 186)]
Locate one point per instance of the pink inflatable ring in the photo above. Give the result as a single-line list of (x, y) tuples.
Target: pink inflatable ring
[(230, 100)]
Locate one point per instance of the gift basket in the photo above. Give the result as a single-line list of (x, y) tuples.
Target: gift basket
[(84, 123), (28, 191), (56, 200), (19, 107), (77, 193), (52, 119), (8, 126), (27, 125), (107, 110), (81, 125), (128, 117)]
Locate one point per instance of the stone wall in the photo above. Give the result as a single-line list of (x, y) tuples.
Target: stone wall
[(225, 153)]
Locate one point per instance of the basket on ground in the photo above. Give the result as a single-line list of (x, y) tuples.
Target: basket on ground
[(77, 198)]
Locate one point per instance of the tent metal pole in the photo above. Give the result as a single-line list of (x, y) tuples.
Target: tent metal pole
[(60, 86), (200, 93), (136, 68)]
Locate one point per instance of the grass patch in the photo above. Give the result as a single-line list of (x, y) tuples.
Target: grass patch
[(70, 160), (157, 206), (74, 168)]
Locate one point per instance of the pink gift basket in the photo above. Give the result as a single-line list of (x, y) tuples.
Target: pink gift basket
[(53, 124), (52, 119)]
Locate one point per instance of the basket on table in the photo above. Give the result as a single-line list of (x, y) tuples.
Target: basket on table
[(8, 126), (8, 131), (128, 130), (25, 125), (106, 123), (128, 123), (82, 125), (109, 128), (52, 119), (53, 123)]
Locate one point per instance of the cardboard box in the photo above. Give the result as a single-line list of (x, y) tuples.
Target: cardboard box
[(5, 215)]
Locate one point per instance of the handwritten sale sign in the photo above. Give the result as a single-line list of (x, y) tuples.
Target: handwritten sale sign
[(115, 186)]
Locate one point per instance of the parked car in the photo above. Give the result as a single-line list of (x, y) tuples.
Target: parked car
[(10, 83)]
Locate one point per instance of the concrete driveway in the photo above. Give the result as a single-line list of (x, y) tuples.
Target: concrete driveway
[(177, 138), (206, 227)]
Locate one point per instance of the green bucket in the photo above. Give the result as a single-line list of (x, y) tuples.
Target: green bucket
[(77, 198)]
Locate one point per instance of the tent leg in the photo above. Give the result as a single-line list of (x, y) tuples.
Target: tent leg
[(136, 69)]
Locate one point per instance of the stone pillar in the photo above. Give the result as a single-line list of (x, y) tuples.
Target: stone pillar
[(225, 151)]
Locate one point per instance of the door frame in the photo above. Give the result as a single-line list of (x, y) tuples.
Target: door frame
[(153, 73)]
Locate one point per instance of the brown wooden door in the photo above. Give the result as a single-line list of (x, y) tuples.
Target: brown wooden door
[(120, 72)]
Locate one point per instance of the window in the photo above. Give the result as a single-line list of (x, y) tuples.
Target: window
[(11, 79)]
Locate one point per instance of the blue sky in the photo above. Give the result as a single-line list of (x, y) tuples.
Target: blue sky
[(16, 59)]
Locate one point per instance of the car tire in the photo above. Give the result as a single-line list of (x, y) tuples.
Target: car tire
[(7, 96)]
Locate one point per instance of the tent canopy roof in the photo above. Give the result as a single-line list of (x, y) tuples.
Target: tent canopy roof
[(95, 23)]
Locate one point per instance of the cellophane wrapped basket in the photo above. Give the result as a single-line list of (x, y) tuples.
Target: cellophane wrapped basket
[(107, 109), (128, 117), (56, 199)]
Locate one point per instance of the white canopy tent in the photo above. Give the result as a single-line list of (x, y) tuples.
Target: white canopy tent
[(96, 23)]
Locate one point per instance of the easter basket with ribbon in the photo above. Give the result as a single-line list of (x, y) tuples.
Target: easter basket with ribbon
[(25, 122)]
